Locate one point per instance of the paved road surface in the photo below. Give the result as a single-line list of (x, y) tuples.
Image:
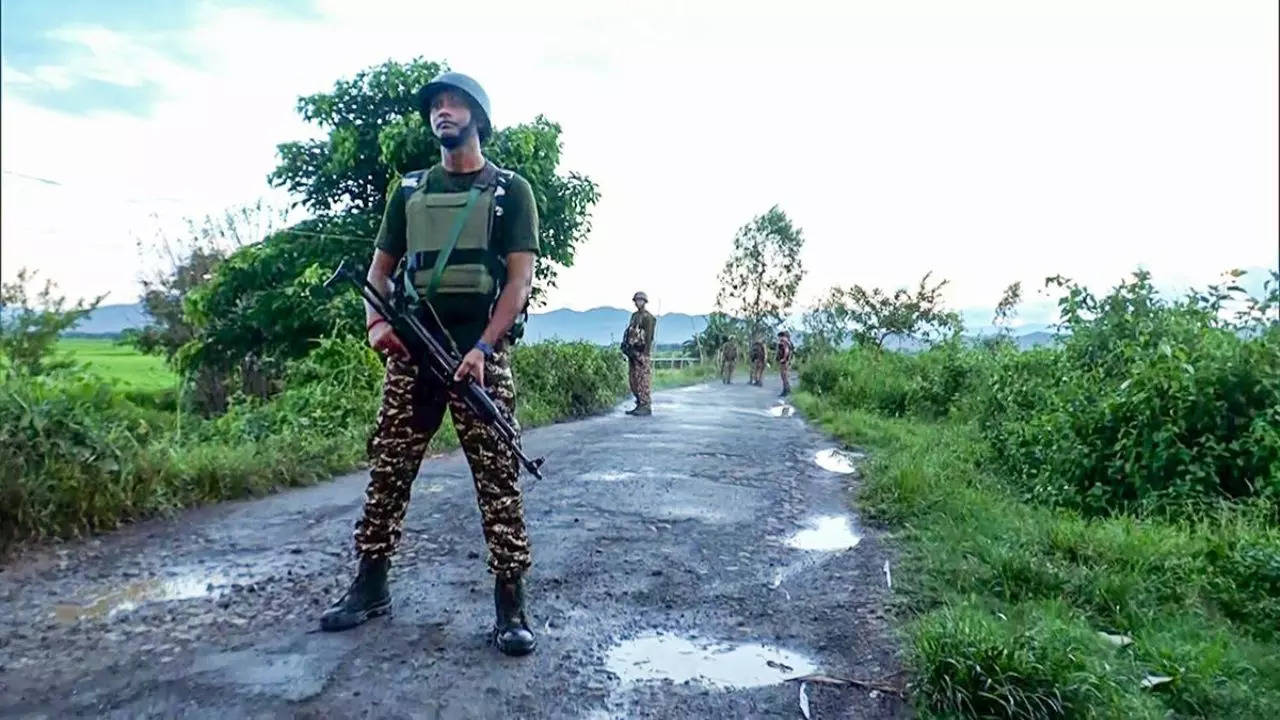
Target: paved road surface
[(667, 584)]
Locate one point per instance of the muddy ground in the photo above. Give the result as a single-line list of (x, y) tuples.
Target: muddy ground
[(686, 565)]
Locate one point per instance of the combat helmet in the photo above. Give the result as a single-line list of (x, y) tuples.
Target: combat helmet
[(468, 87)]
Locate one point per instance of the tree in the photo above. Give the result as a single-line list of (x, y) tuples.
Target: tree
[(266, 298), (30, 326), (759, 280), (869, 317), (720, 328), (375, 134), (187, 261), (1007, 308)]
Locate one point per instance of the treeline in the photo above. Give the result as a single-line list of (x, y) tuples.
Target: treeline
[(277, 386), (1092, 528)]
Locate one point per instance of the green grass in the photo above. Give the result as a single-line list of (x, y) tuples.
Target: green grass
[(121, 363), (1002, 600), (679, 377)]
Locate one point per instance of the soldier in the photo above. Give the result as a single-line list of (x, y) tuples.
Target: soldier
[(637, 345), (758, 356), (785, 352), (478, 290), (728, 359)]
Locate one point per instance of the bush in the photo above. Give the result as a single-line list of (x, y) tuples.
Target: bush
[(1148, 405), (79, 457)]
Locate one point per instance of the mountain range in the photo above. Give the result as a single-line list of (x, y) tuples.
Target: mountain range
[(600, 326)]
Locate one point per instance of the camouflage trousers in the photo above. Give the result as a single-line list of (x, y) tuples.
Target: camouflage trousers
[(640, 375), (726, 369), (412, 410), (784, 368), (757, 371)]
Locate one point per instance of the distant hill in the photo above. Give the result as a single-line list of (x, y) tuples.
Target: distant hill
[(604, 326), (600, 326), (110, 320)]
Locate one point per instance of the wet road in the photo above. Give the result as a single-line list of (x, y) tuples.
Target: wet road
[(685, 565)]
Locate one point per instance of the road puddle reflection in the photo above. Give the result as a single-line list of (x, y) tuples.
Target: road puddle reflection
[(828, 533), (837, 461), (140, 592), (658, 656)]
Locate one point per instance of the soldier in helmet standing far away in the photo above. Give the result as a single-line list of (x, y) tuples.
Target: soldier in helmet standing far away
[(469, 232), (758, 356), (728, 359), (785, 351), (637, 345)]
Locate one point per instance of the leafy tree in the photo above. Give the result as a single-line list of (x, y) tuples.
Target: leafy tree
[(720, 328), (759, 280), (265, 298), (1007, 308), (30, 326), (187, 261), (869, 317), (375, 134)]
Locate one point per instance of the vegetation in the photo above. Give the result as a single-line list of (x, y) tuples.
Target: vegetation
[(1126, 482), (759, 280)]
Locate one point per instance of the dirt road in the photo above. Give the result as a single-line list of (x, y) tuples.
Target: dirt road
[(685, 565)]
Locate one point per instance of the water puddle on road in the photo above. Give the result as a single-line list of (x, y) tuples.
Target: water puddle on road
[(609, 475), (140, 592), (838, 461), (782, 411), (658, 656), (829, 533)]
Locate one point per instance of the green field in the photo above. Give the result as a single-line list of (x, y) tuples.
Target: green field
[(121, 363)]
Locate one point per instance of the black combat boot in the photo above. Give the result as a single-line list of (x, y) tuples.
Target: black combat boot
[(367, 597), (511, 631), (643, 411)]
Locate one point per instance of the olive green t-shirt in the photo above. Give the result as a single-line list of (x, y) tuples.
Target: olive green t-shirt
[(518, 231)]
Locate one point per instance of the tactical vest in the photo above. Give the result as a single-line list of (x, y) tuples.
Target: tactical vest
[(450, 257)]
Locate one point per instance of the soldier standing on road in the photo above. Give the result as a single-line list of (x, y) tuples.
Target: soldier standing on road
[(469, 231), (637, 345), (728, 359), (785, 351), (758, 356)]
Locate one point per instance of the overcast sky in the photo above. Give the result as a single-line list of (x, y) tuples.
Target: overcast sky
[(986, 141)]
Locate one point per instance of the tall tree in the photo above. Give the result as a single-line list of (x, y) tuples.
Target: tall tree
[(870, 317), (759, 280), (181, 262), (264, 298)]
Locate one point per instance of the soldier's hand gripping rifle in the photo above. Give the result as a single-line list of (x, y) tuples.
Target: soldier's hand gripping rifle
[(440, 363)]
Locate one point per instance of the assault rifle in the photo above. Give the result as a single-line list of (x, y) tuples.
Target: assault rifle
[(440, 363)]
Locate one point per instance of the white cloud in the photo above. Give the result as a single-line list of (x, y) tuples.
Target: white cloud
[(987, 141)]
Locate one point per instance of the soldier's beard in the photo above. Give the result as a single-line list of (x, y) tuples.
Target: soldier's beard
[(452, 142)]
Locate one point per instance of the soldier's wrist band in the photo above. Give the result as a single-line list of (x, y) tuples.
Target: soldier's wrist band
[(373, 322), (485, 348)]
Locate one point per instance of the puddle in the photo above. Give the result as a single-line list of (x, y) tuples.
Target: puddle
[(782, 411), (838, 461), (828, 533), (654, 657), (609, 475), (140, 592)]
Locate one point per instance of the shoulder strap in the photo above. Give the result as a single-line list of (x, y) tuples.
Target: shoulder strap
[(410, 182)]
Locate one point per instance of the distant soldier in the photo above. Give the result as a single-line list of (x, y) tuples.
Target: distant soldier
[(728, 359), (758, 356), (637, 345), (785, 351)]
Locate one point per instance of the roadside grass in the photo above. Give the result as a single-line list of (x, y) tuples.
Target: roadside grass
[(1003, 601), (667, 378), (93, 450)]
